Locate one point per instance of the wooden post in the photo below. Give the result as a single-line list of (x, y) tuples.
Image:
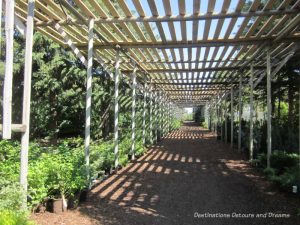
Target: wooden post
[(26, 97), (240, 115), (0, 22), (231, 117), (226, 128), (8, 79), (160, 114), (150, 117), (299, 129), (144, 114), (116, 99), (221, 118), (89, 97), (156, 115), (269, 110), (251, 114), (133, 114)]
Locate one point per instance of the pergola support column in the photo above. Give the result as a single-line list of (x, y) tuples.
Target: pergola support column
[(226, 128), (144, 113), (150, 116), (251, 114), (231, 117), (116, 109), (26, 96), (240, 115), (8, 79), (269, 110), (132, 153), (89, 98)]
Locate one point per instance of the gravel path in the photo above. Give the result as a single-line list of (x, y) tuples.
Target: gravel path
[(188, 178)]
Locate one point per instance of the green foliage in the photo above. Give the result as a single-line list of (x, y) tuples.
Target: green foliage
[(284, 168), (11, 197), (280, 160), (176, 124), (11, 217)]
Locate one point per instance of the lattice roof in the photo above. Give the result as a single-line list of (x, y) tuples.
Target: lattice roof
[(191, 50)]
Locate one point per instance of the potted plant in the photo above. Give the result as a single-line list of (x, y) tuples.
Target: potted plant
[(64, 179)]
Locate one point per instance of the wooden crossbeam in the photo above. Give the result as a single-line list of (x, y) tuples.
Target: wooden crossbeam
[(200, 43), (195, 70), (176, 18)]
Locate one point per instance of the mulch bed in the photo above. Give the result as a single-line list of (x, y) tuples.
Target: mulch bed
[(188, 178)]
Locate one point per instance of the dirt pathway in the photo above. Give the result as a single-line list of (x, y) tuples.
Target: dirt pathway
[(188, 176)]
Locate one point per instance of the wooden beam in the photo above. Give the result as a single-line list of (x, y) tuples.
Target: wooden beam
[(223, 68), (20, 26), (200, 43), (20, 128), (71, 44), (174, 18)]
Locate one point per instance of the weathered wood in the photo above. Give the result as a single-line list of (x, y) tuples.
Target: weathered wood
[(178, 18), (19, 128), (8, 78)]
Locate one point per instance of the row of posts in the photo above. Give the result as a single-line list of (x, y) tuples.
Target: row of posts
[(161, 111), (218, 111)]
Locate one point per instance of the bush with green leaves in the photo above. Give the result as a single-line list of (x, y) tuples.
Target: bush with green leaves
[(12, 217)]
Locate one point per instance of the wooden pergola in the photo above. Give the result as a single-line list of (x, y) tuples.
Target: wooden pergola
[(183, 59)]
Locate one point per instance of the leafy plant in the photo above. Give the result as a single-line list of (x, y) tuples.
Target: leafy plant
[(11, 217)]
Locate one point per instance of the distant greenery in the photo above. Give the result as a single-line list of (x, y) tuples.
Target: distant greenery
[(284, 169)]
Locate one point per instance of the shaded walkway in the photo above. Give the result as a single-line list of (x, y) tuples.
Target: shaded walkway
[(189, 172)]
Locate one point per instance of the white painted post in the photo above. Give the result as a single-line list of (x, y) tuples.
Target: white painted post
[(240, 115), (116, 98), (156, 115), (26, 97), (251, 114), (150, 117), (133, 113), (221, 117), (226, 129), (0, 21), (144, 113), (8, 79), (160, 105), (269, 110), (231, 117), (88, 103)]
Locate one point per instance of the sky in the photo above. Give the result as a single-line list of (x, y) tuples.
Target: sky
[(189, 10)]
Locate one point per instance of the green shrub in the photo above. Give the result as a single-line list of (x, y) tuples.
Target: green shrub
[(269, 172), (11, 197), (11, 217), (176, 124), (289, 178), (279, 160)]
